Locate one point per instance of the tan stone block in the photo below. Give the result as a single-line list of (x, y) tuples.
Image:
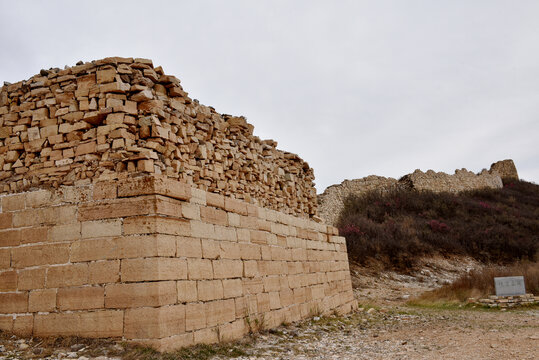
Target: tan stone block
[(170, 343), (151, 269), (210, 249), (82, 298), (252, 286), (36, 255), (123, 247), (210, 290), (148, 323), (13, 303), (250, 269), (225, 233), (105, 190), (67, 232), (250, 251), (244, 235), (106, 76), (287, 297), (42, 300), (23, 325), (263, 302), (31, 279), (195, 316), (202, 230), (88, 148), (8, 280), (215, 200), (6, 221), (187, 291), (102, 272), (229, 250), (34, 235), (67, 275), (6, 323), (198, 196), (235, 206), (156, 224), (224, 269), (272, 283), (200, 269), (249, 222), (140, 294), (233, 219), (232, 331), (10, 238), (232, 288), (103, 228), (220, 312), (106, 323), (191, 211), (274, 300), (117, 208), (206, 336), (13, 202), (154, 185), (213, 216), (5, 258), (259, 237), (188, 247)]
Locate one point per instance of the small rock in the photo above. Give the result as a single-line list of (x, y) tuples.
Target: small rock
[(23, 346), (316, 318), (72, 355), (77, 347), (2, 348), (371, 310), (37, 351), (83, 358)]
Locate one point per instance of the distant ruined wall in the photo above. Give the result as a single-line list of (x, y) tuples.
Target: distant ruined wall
[(462, 180), (506, 169), (331, 202), (116, 117)]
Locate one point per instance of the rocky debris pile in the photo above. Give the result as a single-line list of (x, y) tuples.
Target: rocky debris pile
[(110, 118), (506, 301)]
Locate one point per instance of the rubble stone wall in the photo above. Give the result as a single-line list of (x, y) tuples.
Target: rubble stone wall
[(117, 115), (155, 261), (331, 201)]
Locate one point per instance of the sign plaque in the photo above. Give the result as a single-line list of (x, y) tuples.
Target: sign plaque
[(510, 285)]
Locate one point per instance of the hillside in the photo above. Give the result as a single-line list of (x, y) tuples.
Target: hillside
[(399, 227)]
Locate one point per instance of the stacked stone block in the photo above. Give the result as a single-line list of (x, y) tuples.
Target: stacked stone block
[(156, 261), (118, 115)]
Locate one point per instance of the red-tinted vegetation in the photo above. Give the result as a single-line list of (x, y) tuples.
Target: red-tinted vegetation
[(492, 226)]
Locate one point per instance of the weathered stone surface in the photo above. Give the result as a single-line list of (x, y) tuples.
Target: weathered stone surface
[(111, 119)]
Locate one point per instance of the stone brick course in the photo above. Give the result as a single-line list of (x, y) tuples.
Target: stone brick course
[(123, 258)]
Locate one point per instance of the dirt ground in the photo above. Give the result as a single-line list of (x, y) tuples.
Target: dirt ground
[(384, 328)]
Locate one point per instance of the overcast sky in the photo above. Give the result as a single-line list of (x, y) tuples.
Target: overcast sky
[(354, 87)]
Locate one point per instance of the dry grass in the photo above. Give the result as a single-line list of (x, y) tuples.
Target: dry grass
[(480, 283)]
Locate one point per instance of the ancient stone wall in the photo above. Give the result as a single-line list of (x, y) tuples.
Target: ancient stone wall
[(155, 261), (331, 202), (116, 116), (462, 180), (506, 169)]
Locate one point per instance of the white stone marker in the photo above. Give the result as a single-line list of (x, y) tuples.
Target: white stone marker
[(509, 285)]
